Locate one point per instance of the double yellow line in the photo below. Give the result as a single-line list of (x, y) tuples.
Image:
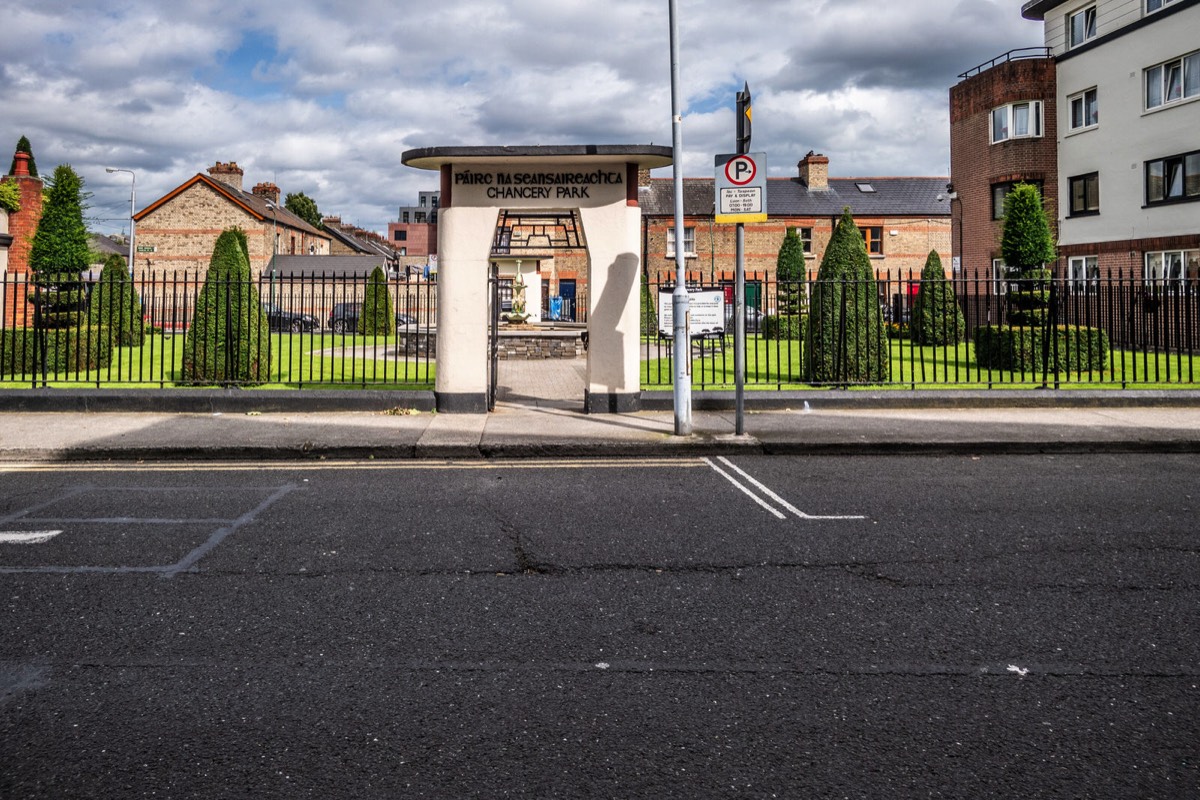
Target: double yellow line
[(344, 465)]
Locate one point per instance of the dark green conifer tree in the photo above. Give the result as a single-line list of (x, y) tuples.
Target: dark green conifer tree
[(228, 341), (936, 316), (59, 252), (377, 317), (115, 304), (845, 340)]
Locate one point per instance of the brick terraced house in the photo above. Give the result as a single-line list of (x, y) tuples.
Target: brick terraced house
[(177, 232), (901, 218)]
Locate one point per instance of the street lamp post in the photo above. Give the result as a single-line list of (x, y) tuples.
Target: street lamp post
[(132, 192), (274, 250)]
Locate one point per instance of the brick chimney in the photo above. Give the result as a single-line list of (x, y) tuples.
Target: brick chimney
[(229, 174), (814, 171), (267, 191), (22, 225)]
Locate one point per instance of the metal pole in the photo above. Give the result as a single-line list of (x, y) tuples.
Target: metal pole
[(679, 298), (132, 208), (739, 333), (739, 284)]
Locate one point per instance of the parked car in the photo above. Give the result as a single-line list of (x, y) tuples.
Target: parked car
[(753, 319), (344, 318), (280, 320)]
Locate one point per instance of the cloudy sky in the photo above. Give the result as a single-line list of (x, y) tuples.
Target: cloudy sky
[(324, 97)]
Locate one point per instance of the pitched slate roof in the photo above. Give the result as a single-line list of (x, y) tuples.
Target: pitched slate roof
[(252, 203), (357, 239), (331, 266), (788, 197)]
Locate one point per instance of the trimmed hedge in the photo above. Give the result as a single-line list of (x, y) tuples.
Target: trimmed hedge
[(377, 317), (844, 338), (1077, 349), (67, 350), (228, 340), (782, 327), (115, 304), (936, 317)]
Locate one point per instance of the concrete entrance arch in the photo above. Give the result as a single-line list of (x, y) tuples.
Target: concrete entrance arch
[(596, 185)]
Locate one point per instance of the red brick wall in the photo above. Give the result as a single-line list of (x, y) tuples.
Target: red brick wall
[(975, 164), (22, 225), (421, 238)]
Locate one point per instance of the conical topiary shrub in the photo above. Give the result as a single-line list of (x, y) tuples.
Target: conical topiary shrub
[(936, 316), (377, 317), (845, 339), (789, 274), (228, 341), (115, 305)]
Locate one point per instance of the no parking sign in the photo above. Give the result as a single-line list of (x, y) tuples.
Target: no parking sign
[(741, 186)]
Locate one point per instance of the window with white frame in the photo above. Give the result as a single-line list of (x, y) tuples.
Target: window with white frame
[(1001, 274), (1017, 121), (1081, 26), (806, 239), (1085, 109), (1171, 268), (1173, 81), (689, 242), (1173, 179), (1083, 274), (1155, 5)]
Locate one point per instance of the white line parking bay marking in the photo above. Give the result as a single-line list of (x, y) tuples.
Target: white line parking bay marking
[(772, 495), (27, 537)]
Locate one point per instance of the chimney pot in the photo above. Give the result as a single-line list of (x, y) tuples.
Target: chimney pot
[(21, 170)]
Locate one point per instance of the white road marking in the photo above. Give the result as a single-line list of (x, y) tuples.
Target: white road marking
[(778, 514), (779, 499), (27, 537)]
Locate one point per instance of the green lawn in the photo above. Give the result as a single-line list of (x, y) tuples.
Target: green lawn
[(778, 365), (298, 360)]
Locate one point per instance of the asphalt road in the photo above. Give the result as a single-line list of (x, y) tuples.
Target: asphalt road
[(751, 627)]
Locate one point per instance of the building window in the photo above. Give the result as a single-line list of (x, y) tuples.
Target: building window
[(1017, 121), (689, 242), (401, 236), (1085, 194), (404, 216), (1173, 179), (1083, 274), (419, 217), (1173, 81), (806, 238), (403, 251), (1082, 26), (1173, 268), (1155, 5), (873, 239), (1000, 276), (1001, 190), (1085, 110)]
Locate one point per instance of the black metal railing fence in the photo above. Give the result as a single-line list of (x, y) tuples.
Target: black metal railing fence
[(1118, 329), (177, 329)]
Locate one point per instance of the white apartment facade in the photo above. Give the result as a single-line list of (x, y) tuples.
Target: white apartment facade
[(1128, 114)]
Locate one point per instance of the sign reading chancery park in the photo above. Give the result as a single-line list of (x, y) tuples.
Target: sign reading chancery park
[(573, 184)]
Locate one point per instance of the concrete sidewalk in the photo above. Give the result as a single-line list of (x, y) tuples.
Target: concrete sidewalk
[(539, 414), (522, 431)]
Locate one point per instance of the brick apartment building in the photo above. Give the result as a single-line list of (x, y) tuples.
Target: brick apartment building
[(1003, 131), (178, 231), (1105, 117)]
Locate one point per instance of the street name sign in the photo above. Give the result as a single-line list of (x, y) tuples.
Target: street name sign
[(741, 188)]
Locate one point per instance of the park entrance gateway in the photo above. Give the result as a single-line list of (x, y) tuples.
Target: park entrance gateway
[(502, 203)]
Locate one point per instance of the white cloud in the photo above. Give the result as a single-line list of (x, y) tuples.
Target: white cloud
[(325, 98)]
